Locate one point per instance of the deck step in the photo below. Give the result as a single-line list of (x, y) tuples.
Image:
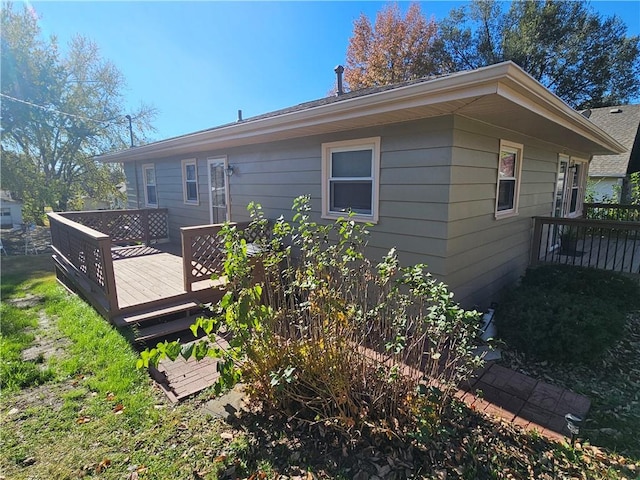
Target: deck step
[(163, 329), (139, 317)]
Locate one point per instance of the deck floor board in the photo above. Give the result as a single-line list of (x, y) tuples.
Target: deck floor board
[(147, 274)]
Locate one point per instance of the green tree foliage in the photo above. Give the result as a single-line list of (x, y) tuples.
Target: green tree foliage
[(395, 49), (58, 111), (585, 59)]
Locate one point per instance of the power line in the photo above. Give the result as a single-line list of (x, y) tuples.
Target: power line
[(53, 110)]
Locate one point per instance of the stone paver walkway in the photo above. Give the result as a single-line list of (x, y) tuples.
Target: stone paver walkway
[(512, 396), (495, 391)]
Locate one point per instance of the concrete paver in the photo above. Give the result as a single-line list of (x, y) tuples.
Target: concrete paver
[(524, 401), (494, 390)]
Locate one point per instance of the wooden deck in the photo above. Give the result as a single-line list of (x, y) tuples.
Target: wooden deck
[(124, 265), (149, 274)]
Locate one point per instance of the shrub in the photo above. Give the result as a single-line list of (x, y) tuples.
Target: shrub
[(327, 335), (566, 314)]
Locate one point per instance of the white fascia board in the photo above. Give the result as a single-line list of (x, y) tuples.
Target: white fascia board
[(519, 87), (457, 86), (453, 87)]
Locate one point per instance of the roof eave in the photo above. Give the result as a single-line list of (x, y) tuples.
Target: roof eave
[(505, 79)]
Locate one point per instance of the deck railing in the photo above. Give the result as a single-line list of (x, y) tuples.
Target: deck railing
[(604, 244), (612, 211), (83, 256), (126, 226), (203, 251)]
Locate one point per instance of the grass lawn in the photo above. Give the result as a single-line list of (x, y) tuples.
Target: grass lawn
[(78, 408)]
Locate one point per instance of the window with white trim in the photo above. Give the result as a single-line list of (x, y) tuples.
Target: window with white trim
[(350, 179), (190, 181), (576, 186), (150, 188), (508, 187)]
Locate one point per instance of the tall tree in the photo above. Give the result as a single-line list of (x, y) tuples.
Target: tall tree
[(585, 59), (58, 112), (395, 49)]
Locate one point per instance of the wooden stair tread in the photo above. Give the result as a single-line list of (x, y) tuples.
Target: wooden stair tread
[(156, 313), (163, 329)]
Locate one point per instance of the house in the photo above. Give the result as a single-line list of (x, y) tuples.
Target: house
[(609, 174), (450, 170), (10, 210)]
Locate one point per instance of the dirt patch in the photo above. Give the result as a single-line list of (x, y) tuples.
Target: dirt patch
[(48, 342), (49, 395), (28, 301)]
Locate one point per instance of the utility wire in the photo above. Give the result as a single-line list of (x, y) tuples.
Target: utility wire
[(53, 110)]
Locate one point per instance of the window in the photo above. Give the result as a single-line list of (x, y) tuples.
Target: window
[(150, 192), (190, 181), (350, 172), (570, 187), (509, 166), (576, 185), (561, 186)]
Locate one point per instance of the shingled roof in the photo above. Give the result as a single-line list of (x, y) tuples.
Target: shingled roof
[(502, 95), (622, 123)]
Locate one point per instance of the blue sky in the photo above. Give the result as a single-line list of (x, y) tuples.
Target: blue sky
[(198, 63)]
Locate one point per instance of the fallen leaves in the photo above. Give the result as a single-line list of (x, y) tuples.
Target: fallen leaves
[(103, 465)]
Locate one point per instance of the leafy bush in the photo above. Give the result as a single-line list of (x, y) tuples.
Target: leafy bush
[(318, 331), (566, 314), (615, 289)]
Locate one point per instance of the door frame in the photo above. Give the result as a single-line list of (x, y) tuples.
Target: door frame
[(581, 186), (567, 187), (227, 196)]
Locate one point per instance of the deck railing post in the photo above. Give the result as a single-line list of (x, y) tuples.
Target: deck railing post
[(537, 238), (187, 253), (145, 226), (110, 276)]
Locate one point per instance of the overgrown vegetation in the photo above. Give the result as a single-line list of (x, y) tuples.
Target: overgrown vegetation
[(327, 336), (566, 314), (75, 426)]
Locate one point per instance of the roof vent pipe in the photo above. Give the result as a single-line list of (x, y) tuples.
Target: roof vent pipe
[(239, 115), (339, 70)]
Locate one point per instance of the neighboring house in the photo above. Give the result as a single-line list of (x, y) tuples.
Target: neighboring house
[(449, 170), (10, 210), (609, 174), (114, 202)]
